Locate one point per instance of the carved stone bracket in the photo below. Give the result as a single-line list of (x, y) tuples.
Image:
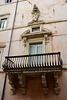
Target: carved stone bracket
[(22, 83), (44, 83), (13, 82), (56, 88), (24, 42)]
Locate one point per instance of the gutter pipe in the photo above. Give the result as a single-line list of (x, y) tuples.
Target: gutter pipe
[(3, 91)]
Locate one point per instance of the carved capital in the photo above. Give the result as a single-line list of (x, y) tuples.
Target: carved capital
[(44, 83), (22, 83), (46, 38), (24, 41)]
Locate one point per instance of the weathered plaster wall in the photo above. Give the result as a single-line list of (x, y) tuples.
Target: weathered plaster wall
[(35, 92), (50, 10), (2, 76)]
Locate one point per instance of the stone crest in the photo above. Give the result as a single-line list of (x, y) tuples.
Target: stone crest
[(35, 13)]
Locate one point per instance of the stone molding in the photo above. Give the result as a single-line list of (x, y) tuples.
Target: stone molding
[(43, 31)]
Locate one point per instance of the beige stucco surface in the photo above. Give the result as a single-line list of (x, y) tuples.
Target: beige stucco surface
[(35, 91), (2, 76), (50, 10)]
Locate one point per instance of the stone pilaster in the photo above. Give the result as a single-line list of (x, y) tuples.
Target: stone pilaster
[(44, 83), (22, 83)]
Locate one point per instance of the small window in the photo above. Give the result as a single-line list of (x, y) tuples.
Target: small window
[(8, 1), (3, 23), (36, 29)]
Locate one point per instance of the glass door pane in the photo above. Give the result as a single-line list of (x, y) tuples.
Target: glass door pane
[(35, 49)]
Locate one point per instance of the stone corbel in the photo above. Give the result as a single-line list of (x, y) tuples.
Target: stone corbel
[(56, 83), (44, 83), (24, 44), (13, 82), (22, 83), (46, 38)]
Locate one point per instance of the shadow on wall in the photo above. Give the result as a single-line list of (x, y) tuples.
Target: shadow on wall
[(35, 91)]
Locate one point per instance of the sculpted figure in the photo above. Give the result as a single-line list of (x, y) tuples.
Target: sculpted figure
[(35, 13)]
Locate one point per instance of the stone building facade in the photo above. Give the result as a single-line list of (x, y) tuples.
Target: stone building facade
[(33, 38)]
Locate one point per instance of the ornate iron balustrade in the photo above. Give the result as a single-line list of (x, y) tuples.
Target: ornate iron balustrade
[(36, 62)]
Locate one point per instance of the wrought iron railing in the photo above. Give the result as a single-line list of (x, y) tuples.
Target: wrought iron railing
[(33, 62)]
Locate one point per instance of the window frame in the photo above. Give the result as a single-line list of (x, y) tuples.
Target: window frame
[(4, 17), (3, 23), (36, 45), (8, 1), (35, 27)]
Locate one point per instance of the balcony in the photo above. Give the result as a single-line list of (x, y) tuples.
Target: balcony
[(36, 62), (18, 67)]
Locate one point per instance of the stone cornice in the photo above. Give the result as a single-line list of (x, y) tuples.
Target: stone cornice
[(47, 22), (2, 45)]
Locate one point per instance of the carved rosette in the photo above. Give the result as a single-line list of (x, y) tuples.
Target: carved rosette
[(56, 88), (22, 83), (44, 83)]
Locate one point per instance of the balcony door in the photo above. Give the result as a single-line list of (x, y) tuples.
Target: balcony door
[(35, 49)]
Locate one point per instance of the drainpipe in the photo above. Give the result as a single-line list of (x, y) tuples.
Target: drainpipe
[(3, 91)]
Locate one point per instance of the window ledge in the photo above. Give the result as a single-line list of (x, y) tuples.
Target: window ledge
[(64, 67), (1, 71), (2, 45)]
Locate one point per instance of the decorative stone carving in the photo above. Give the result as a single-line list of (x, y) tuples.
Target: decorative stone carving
[(5, 64), (13, 82), (24, 42), (22, 82), (35, 13), (44, 83), (56, 88)]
